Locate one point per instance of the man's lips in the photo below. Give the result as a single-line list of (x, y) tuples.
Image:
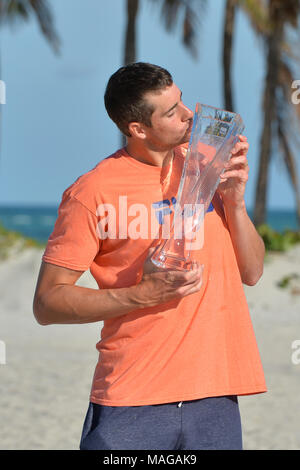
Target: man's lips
[(190, 126)]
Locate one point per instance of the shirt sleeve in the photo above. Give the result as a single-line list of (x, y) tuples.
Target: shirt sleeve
[(74, 242)]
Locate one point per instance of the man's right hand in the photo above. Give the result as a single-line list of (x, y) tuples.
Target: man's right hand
[(160, 285)]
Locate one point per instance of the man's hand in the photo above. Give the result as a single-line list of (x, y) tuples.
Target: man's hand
[(160, 285), (233, 181), (248, 245)]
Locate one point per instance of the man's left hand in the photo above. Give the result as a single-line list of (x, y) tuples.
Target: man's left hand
[(233, 181)]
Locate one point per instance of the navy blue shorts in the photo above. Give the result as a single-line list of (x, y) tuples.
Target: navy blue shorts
[(209, 423)]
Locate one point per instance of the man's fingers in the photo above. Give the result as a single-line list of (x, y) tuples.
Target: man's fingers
[(191, 288), (240, 146), (238, 160), (172, 284), (241, 174), (181, 277), (187, 277)]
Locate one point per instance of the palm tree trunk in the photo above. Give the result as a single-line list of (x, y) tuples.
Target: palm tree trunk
[(1, 26), (227, 53), (130, 40), (0, 105), (273, 45), (130, 37)]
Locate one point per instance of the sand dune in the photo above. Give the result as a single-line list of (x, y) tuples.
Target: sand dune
[(46, 380)]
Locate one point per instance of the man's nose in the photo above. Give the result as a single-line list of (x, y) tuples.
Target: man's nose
[(187, 113)]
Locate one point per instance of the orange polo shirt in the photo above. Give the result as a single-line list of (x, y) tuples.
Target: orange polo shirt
[(202, 345)]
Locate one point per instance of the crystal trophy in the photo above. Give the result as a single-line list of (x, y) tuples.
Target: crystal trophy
[(214, 134)]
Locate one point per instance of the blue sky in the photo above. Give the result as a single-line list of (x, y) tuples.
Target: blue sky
[(54, 125)]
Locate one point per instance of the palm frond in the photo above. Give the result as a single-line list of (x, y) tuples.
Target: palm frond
[(12, 11), (191, 11), (189, 34), (46, 22), (169, 13), (288, 10), (257, 12)]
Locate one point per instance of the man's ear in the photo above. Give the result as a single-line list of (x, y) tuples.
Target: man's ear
[(137, 130)]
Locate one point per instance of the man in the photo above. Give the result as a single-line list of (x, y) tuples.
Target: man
[(177, 347)]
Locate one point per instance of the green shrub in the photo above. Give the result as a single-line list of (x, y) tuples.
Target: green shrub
[(11, 241), (276, 241), (286, 280)]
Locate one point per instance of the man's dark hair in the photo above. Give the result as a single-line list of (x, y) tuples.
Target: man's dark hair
[(125, 93)]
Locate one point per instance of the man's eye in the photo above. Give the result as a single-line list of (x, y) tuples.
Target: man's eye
[(171, 114)]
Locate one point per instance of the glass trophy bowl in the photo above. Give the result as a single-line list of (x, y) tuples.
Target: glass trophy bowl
[(214, 134)]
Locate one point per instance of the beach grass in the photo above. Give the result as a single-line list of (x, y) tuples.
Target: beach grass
[(12, 242)]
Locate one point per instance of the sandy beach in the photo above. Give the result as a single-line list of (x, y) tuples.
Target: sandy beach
[(45, 381)]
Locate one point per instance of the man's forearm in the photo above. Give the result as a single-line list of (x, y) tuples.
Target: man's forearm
[(68, 304), (248, 245)]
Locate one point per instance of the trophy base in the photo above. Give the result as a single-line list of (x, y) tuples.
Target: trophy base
[(167, 261)]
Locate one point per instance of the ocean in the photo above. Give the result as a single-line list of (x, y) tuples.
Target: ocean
[(37, 222)]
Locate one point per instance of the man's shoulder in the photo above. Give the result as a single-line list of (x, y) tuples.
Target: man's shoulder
[(100, 172), (89, 185)]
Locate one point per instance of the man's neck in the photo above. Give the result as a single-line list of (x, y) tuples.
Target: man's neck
[(150, 157)]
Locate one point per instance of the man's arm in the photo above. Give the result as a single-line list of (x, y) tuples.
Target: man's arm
[(248, 245), (58, 300)]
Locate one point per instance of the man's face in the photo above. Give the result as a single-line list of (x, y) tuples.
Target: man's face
[(171, 119)]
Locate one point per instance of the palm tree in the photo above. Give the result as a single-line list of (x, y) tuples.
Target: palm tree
[(280, 115), (14, 10), (170, 12), (269, 19), (256, 12)]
